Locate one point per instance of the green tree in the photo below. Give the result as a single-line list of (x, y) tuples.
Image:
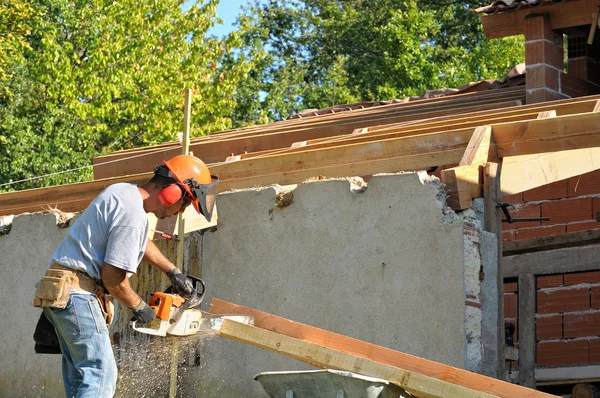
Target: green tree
[(15, 19), (323, 52), (99, 76)]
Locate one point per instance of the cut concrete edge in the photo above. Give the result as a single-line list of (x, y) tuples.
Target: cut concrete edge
[(62, 219)]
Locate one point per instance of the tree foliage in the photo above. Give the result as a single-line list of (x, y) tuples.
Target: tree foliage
[(323, 52), (82, 78), (98, 76)]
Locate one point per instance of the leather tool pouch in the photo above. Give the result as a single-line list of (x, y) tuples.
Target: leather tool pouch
[(106, 304), (54, 289), (46, 340)]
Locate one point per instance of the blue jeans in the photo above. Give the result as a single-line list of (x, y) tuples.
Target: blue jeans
[(88, 366)]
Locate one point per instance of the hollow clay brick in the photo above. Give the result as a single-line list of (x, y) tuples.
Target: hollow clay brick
[(595, 351), (577, 278), (555, 190), (558, 353), (508, 236), (549, 281), (582, 226), (564, 211), (585, 184), (563, 300), (582, 325), (527, 233), (595, 299), (549, 327), (510, 286), (511, 303)]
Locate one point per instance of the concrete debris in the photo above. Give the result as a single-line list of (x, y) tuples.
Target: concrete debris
[(284, 199), (6, 224)]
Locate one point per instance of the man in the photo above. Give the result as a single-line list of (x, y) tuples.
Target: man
[(103, 247)]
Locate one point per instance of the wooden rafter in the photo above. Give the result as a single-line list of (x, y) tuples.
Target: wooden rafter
[(415, 152), (571, 239), (571, 150), (466, 181), (305, 339), (524, 172), (281, 135)]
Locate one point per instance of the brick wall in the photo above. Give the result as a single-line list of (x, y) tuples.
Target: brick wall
[(567, 323), (568, 319), (568, 305), (570, 204)]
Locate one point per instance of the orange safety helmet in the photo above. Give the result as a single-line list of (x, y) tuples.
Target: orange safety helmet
[(193, 176)]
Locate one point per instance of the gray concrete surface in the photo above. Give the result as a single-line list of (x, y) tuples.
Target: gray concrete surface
[(385, 266), (381, 266), (25, 254)]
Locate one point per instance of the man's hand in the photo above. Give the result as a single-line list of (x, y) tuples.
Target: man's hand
[(143, 313), (182, 284)]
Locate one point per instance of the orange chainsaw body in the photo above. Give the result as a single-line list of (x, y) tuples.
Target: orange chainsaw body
[(164, 304)]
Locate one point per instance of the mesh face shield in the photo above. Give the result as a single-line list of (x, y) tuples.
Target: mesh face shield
[(206, 195), (203, 196)]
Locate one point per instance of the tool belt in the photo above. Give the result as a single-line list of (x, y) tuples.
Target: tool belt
[(56, 284)]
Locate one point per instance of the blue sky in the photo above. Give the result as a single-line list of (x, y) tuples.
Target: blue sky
[(228, 10)]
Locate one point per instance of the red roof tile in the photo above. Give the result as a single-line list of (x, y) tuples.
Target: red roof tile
[(513, 5)]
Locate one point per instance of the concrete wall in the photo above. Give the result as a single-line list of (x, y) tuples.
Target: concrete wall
[(24, 256), (385, 264)]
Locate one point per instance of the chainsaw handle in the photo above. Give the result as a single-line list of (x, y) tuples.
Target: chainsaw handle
[(195, 282)]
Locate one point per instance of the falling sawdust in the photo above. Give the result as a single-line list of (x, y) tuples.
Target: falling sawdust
[(144, 363)]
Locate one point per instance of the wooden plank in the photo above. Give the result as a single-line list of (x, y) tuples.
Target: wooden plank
[(571, 239), (387, 133), (493, 224), (463, 183), (439, 124), (480, 149), (327, 358), (527, 344), (270, 138), (558, 261), (524, 172), (594, 26), (521, 173), (562, 15), (547, 135), (417, 152), (376, 353)]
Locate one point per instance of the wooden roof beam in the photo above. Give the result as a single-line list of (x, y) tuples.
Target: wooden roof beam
[(524, 172), (433, 372), (270, 137), (417, 152), (528, 169), (465, 182)]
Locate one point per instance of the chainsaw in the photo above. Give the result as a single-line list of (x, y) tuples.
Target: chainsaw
[(179, 316)]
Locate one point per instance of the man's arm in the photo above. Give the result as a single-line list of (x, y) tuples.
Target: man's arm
[(154, 256), (117, 283)]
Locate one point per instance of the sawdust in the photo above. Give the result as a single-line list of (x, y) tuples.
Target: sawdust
[(144, 363), (63, 219)]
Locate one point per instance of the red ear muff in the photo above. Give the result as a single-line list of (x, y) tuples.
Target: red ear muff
[(170, 194)]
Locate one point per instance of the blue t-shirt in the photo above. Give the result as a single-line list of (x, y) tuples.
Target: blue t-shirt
[(113, 229)]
